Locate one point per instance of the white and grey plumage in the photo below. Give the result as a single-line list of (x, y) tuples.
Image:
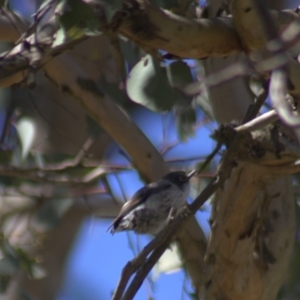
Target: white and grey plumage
[(148, 210)]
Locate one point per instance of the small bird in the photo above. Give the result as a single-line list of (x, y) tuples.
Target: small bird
[(149, 208)]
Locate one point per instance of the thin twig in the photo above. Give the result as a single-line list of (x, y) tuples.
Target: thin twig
[(6, 14), (278, 88), (83, 151), (279, 76), (210, 157), (133, 265), (259, 122), (254, 110), (160, 244), (142, 264)]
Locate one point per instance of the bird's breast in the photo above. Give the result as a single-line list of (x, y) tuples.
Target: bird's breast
[(173, 197)]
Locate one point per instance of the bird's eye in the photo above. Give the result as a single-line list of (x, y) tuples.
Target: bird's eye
[(181, 178)]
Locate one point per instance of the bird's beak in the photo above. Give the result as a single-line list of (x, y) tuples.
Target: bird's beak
[(190, 175)]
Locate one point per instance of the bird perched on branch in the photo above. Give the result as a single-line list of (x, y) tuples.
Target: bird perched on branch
[(149, 208)]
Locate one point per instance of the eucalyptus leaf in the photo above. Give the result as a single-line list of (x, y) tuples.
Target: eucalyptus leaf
[(29, 264), (60, 37), (148, 85), (78, 18), (169, 262), (37, 272), (26, 129), (203, 101), (185, 122), (179, 74)]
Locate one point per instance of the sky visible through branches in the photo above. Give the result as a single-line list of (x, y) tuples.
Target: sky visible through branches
[(97, 257)]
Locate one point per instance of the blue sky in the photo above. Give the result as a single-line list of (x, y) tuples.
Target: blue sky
[(97, 258)]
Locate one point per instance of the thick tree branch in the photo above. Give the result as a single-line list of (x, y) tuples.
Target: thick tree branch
[(155, 29), (71, 79), (222, 247), (142, 264), (200, 38), (240, 270), (259, 122), (152, 29)]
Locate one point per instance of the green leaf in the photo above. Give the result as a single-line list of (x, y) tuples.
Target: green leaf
[(26, 130), (37, 272), (52, 211), (77, 18), (179, 74), (60, 38), (169, 262), (185, 122), (148, 85), (29, 264), (204, 103)]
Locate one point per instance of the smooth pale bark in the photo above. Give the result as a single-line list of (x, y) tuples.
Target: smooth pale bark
[(241, 211), (67, 72), (238, 272), (179, 36), (198, 38)]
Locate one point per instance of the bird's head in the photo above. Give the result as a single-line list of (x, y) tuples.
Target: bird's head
[(179, 178)]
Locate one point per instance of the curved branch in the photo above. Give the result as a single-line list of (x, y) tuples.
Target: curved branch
[(70, 78), (158, 29)]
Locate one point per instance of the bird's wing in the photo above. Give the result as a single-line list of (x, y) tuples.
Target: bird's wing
[(137, 199)]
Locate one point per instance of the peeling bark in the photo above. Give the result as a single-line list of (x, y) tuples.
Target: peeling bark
[(247, 258), (245, 216)]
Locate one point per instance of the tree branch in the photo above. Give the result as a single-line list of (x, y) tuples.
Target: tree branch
[(71, 79), (143, 265)]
